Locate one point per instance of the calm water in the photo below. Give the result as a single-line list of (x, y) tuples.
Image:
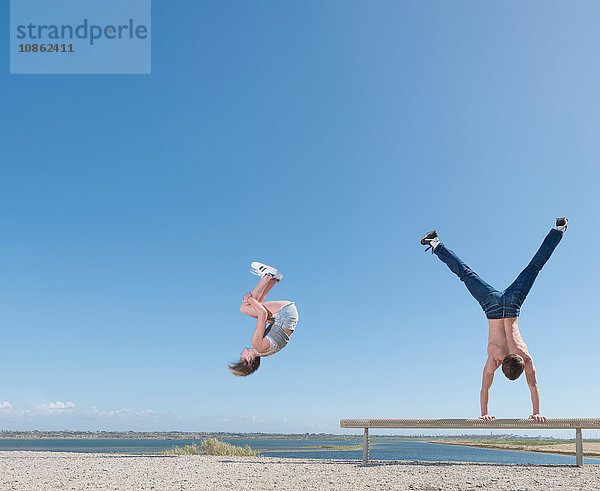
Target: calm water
[(386, 450)]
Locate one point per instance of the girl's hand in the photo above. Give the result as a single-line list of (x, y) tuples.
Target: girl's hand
[(247, 297), (259, 307), (253, 301)]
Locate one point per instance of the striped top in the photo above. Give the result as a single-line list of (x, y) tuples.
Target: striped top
[(287, 318)]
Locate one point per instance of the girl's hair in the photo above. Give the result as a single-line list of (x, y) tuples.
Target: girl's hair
[(243, 368)]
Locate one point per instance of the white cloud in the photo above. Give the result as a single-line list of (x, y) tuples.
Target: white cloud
[(58, 406), (65, 415), (241, 420), (314, 427), (111, 413)]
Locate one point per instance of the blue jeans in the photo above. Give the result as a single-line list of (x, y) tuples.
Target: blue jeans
[(496, 304)]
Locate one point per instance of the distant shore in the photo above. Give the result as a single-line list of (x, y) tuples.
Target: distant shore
[(168, 435), (61, 470), (199, 435)]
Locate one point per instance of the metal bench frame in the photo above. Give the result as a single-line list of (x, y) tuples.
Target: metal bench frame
[(550, 424)]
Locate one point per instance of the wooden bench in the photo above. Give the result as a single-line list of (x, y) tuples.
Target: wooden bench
[(529, 424)]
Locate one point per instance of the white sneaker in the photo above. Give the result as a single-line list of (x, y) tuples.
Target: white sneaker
[(561, 224), (260, 269)]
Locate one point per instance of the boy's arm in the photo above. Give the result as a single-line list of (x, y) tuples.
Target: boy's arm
[(488, 377), (533, 388)]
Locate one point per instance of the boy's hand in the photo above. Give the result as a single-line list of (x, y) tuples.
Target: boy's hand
[(538, 417)]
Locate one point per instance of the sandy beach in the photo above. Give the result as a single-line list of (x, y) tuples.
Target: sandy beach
[(57, 470)]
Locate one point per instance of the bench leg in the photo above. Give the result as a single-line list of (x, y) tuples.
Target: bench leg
[(366, 446), (579, 447)]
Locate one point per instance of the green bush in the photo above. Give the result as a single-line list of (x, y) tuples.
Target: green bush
[(212, 446), (192, 449)]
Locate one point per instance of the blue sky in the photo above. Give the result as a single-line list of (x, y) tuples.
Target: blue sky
[(324, 138)]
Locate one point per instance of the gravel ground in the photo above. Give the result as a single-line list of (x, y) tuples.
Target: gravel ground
[(61, 470)]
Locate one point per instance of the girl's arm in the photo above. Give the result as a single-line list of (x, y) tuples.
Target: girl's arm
[(246, 308), (258, 338)]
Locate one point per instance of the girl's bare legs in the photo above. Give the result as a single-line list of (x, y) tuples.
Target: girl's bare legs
[(259, 293), (264, 286)]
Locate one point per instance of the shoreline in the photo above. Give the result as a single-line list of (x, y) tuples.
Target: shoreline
[(547, 448)]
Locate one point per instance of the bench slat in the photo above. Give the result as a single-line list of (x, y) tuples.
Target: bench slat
[(558, 423)]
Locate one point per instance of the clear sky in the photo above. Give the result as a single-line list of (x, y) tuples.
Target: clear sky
[(324, 138)]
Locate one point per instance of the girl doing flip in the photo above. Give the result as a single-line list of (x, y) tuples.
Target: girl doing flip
[(276, 321)]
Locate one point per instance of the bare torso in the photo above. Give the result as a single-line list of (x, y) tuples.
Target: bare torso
[(504, 338)]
